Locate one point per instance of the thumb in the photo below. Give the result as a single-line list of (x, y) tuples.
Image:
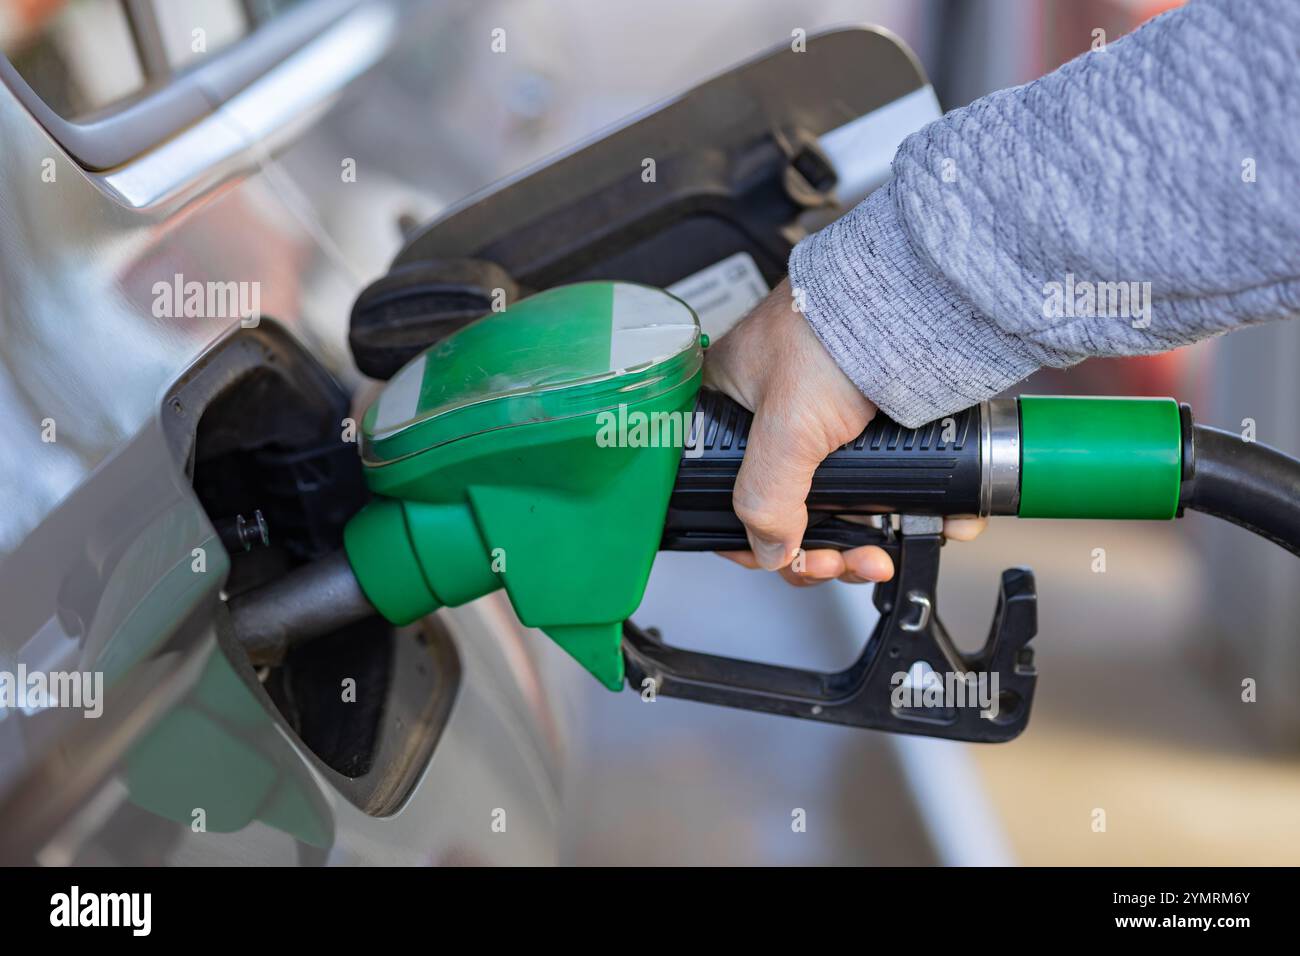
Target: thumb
[(772, 485)]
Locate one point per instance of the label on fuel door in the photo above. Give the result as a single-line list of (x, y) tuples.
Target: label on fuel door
[(721, 294)]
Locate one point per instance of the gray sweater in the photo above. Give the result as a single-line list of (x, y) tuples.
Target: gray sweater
[(1139, 198)]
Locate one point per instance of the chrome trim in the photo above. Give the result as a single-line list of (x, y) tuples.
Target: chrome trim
[(1001, 434), (185, 96), (920, 524), (986, 462), (922, 601), (275, 107)]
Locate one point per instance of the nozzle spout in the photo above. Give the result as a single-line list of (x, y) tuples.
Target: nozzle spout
[(307, 602)]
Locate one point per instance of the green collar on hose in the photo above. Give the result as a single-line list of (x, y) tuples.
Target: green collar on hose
[(1099, 457)]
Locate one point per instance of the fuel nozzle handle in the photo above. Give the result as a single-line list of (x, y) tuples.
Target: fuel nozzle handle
[(964, 464), (938, 469), (1036, 456)]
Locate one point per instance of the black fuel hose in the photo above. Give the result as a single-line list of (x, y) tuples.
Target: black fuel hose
[(1249, 484)]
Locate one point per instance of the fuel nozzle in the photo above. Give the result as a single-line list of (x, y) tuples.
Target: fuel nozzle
[(553, 449), (308, 602)]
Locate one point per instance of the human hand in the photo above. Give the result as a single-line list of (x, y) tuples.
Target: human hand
[(804, 408)]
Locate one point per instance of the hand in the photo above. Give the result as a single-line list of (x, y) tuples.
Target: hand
[(804, 408)]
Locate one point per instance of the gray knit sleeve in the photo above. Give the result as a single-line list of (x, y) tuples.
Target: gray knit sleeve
[(1139, 198)]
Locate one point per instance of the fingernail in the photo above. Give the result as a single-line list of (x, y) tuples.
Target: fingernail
[(770, 555)]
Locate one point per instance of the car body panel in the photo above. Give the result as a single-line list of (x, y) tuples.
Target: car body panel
[(102, 530)]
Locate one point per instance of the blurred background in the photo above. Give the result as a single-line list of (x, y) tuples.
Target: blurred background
[(1139, 711)]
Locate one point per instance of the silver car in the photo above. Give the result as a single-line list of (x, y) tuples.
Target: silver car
[(193, 194)]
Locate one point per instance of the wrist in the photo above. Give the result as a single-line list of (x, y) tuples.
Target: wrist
[(902, 333)]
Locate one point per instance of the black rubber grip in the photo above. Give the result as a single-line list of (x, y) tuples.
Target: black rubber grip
[(888, 469)]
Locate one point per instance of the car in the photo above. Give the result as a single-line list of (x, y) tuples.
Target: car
[(178, 254)]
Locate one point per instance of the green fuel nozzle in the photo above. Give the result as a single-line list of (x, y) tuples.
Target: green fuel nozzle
[(552, 449), (532, 450)]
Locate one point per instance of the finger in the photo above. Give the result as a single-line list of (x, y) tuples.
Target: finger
[(800, 580), (964, 529), (868, 564), (773, 484), (820, 565)]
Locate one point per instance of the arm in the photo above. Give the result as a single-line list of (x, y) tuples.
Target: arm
[(1125, 166)]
